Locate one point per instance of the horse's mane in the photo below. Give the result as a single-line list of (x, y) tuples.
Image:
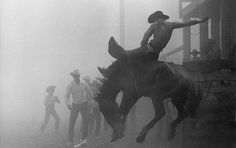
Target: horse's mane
[(106, 82), (101, 88)]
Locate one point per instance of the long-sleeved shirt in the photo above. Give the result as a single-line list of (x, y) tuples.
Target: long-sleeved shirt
[(77, 93)]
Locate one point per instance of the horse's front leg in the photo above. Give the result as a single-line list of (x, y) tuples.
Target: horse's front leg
[(159, 113), (128, 100)]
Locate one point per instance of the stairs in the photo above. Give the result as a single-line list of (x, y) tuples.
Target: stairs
[(187, 6)]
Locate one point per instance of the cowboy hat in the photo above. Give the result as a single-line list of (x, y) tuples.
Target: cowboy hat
[(50, 87), (195, 52), (156, 15), (87, 79), (75, 73)]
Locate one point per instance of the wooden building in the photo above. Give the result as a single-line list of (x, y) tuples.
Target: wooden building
[(221, 27), (215, 127)]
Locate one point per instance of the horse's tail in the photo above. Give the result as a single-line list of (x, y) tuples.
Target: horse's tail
[(195, 93)]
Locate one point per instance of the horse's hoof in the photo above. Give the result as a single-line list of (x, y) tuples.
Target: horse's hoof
[(114, 138), (140, 139)]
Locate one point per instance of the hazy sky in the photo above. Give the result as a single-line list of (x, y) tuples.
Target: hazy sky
[(42, 41)]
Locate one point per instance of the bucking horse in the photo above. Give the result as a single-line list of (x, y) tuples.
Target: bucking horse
[(138, 77)]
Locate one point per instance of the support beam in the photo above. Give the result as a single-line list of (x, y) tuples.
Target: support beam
[(172, 52), (203, 36), (227, 17), (122, 23), (186, 43), (215, 30)]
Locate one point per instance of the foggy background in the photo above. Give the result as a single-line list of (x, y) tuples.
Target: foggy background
[(42, 41)]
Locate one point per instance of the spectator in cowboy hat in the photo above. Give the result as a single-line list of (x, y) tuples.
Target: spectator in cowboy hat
[(77, 102), (96, 115), (49, 104), (195, 54)]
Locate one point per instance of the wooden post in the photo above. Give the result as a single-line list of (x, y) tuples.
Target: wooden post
[(215, 21), (227, 17), (215, 29), (203, 36), (122, 23), (186, 43)]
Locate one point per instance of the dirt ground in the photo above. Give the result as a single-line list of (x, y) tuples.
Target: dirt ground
[(25, 133)]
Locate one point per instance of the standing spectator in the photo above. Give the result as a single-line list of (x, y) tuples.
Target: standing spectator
[(96, 115), (88, 95), (195, 54), (210, 50), (49, 104), (77, 102)]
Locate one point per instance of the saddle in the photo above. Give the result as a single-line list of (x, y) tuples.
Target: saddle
[(140, 53), (115, 50)]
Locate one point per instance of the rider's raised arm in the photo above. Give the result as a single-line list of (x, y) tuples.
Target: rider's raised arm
[(147, 35), (187, 23)]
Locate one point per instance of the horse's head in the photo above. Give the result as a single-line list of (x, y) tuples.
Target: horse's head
[(111, 85), (107, 97)]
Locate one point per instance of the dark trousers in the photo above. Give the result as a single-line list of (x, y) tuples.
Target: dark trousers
[(83, 109), (48, 112), (95, 122)]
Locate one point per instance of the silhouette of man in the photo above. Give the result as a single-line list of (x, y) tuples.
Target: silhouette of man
[(79, 103), (161, 30)]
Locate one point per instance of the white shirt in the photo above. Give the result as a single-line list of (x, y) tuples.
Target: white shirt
[(77, 93)]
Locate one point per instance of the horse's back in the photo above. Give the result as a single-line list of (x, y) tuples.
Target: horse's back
[(169, 68), (159, 75)]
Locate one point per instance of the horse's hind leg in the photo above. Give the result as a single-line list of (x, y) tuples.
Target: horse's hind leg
[(181, 115), (159, 113)]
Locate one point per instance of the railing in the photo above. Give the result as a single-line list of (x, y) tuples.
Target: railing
[(172, 52)]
